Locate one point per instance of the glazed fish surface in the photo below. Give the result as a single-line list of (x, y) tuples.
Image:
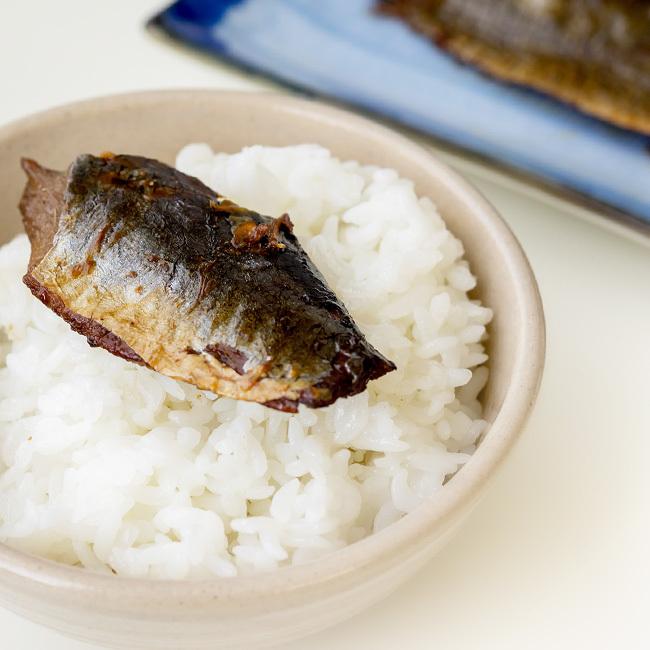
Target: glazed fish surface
[(155, 267), (594, 54)]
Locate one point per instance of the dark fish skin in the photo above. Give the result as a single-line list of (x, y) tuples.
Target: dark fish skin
[(155, 267), (593, 54)]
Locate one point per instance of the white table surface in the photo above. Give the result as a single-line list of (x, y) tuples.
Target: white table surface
[(556, 555)]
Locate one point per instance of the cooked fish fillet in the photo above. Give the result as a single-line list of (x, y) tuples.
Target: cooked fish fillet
[(594, 54), (155, 267)]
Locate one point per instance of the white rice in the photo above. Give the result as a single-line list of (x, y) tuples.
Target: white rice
[(114, 467)]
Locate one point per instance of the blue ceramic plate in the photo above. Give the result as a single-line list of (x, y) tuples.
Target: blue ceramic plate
[(341, 49)]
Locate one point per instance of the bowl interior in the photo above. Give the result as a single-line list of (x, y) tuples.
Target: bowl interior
[(151, 125), (159, 124)]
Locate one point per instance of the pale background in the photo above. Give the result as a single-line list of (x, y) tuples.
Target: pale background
[(556, 556)]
